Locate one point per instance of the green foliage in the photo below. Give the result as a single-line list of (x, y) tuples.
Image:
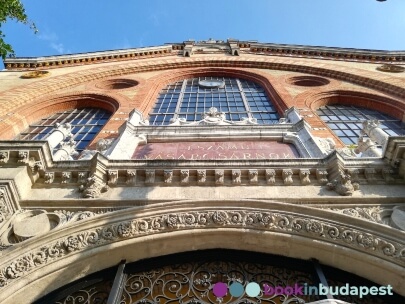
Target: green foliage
[(14, 10)]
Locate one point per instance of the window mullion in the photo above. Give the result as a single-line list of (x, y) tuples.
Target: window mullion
[(180, 100), (245, 102)]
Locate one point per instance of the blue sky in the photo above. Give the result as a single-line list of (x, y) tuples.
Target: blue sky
[(77, 26)]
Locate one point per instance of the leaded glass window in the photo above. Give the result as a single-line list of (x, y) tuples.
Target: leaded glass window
[(346, 121), (190, 98), (86, 123)]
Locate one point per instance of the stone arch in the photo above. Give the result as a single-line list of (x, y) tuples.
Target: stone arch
[(44, 263), (25, 115)]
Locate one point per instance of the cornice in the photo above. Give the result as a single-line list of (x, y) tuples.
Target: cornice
[(187, 48)]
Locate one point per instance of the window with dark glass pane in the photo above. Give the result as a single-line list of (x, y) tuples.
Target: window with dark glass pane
[(346, 121), (86, 123), (237, 98)]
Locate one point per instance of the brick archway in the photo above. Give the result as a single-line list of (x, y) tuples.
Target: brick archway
[(32, 112)]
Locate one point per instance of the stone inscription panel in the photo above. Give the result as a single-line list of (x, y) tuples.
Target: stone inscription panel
[(216, 150)]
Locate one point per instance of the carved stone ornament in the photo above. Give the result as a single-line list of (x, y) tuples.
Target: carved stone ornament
[(322, 176), (23, 157), (326, 144), (4, 210), (103, 144), (201, 176), (372, 214), (184, 176), (344, 185), (49, 177), (66, 177), (112, 177), (236, 177), (93, 187), (212, 117), (82, 177), (287, 176), (4, 156), (270, 176), (131, 177), (219, 176), (304, 176), (168, 176), (149, 176), (37, 167), (346, 152), (253, 176), (279, 222)]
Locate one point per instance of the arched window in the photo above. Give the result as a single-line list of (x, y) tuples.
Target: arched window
[(86, 123), (346, 121), (190, 98)]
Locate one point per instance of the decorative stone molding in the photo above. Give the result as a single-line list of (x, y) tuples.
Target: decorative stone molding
[(270, 176), (184, 176), (49, 177), (287, 176), (304, 176), (212, 117), (4, 156), (4, 209), (93, 187), (23, 157), (358, 239), (201, 176), (112, 177), (131, 177), (326, 144), (236, 177), (322, 176), (373, 214), (103, 144), (149, 176), (344, 185), (346, 152), (168, 176), (66, 177), (370, 174), (219, 176), (253, 176)]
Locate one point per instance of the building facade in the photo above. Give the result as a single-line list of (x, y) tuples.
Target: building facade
[(150, 175)]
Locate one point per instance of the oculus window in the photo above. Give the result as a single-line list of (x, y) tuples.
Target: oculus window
[(346, 121), (191, 98), (86, 123)]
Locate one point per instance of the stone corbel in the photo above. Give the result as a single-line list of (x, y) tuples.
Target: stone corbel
[(82, 177), (287, 177), (184, 176), (304, 176), (322, 176), (66, 177), (112, 177), (49, 177), (23, 157), (219, 176), (168, 176), (201, 176), (236, 177), (270, 176), (149, 176), (253, 176), (4, 156), (131, 177)]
